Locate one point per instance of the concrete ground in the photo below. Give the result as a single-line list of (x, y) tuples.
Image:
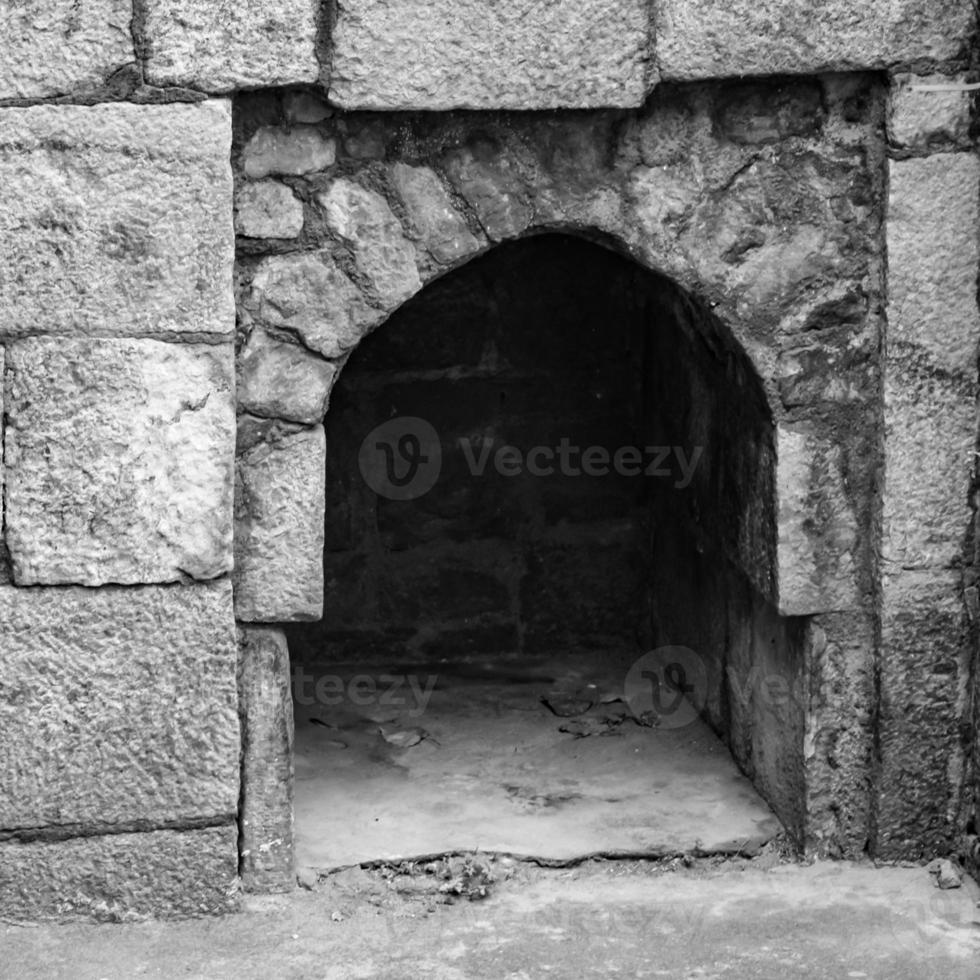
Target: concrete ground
[(477, 762), (719, 919)]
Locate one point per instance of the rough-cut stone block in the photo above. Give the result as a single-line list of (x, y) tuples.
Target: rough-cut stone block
[(363, 218), (116, 219), (930, 436), (925, 668), (933, 256), (438, 224), (219, 47), (56, 47), (121, 877), (308, 293), (266, 699), (512, 54), (720, 38), (818, 531), (118, 707), (279, 510), (300, 150), (119, 460), (267, 209), (283, 381), (930, 112), (493, 189)]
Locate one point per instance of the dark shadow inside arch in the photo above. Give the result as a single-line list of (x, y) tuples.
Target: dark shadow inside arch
[(491, 662)]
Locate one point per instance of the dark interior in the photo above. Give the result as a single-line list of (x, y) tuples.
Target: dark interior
[(560, 343)]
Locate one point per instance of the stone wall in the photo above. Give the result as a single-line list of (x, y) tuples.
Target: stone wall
[(763, 200), (120, 689)]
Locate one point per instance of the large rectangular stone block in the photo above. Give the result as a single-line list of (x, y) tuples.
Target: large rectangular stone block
[(721, 38), (121, 877), (929, 113), (933, 234), (219, 47), (119, 460), (118, 707), (926, 653), (116, 219), (266, 704), (59, 47), (279, 512), (930, 437), (512, 54)]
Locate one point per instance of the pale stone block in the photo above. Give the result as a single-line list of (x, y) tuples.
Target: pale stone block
[(933, 257), (116, 219), (930, 111), (818, 532), (279, 523), (512, 54), (284, 381), (266, 697), (364, 219), (930, 437), (308, 293), (440, 227), (224, 45), (118, 707), (121, 877), (267, 209), (119, 460), (300, 150), (57, 47), (722, 38)]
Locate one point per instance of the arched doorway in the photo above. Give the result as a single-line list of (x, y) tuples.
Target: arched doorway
[(549, 541)]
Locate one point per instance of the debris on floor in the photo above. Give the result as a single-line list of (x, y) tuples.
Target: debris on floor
[(946, 873)]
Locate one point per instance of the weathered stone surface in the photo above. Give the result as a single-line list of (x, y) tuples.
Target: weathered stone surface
[(119, 460), (720, 38), (929, 112), (818, 530), (219, 47), (310, 294), (514, 54), (284, 381), (267, 209), (56, 47), (364, 219), (300, 150), (118, 707), (121, 877), (440, 227), (930, 436), (933, 256), (266, 700), (925, 657), (839, 699), (493, 189), (116, 219), (279, 509)]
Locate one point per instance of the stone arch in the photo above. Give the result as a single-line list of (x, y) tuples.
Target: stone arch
[(777, 246)]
